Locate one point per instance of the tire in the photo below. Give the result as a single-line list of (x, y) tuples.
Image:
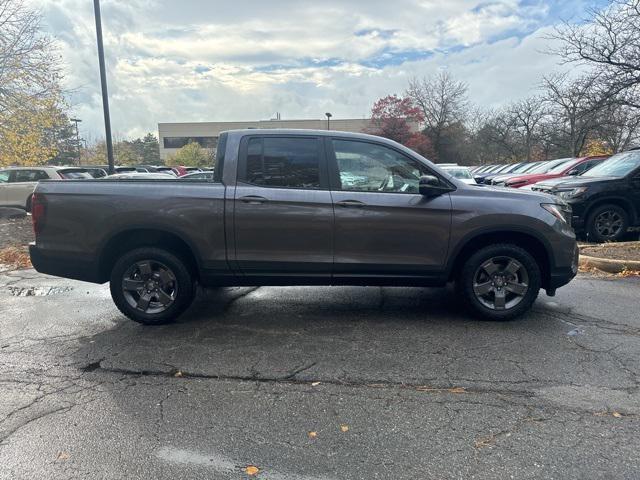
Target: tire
[(510, 293), (152, 286), (607, 223)]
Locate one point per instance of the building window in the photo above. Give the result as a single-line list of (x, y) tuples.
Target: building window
[(179, 142)]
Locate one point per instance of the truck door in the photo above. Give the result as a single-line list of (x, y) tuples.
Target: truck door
[(383, 225), (283, 214)]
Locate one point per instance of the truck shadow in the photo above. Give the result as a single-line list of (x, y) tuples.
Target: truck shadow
[(338, 334)]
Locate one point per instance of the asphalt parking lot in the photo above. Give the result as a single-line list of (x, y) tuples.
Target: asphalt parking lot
[(318, 383)]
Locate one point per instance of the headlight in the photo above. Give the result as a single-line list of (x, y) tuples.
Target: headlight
[(572, 193), (561, 212)]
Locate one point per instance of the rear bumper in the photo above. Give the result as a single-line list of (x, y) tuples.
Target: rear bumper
[(61, 265)]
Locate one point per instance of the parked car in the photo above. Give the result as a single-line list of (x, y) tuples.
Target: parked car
[(17, 183), (461, 173), (571, 167), (500, 178), (605, 199), (140, 176), (533, 175), (96, 172), (479, 177), (198, 176), (278, 213)]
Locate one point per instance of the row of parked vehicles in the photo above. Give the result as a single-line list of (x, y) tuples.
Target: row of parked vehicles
[(17, 183), (603, 191)]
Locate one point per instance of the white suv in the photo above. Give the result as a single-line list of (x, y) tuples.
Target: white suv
[(17, 183)]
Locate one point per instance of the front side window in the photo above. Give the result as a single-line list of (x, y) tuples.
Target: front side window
[(4, 176), (29, 175), (283, 162), (368, 167)]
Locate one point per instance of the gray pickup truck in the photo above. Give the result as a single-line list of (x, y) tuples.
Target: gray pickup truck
[(293, 207)]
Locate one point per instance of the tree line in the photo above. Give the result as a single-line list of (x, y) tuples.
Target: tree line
[(596, 112)]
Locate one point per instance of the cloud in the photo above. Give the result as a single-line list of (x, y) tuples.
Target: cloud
[(218, 60)]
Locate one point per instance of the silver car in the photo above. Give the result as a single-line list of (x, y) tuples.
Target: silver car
[(17, 183)]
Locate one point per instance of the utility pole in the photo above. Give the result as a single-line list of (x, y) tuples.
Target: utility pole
[(76, 121), (103, 82), (328, 120)]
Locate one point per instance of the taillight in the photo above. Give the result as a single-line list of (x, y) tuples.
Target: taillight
[(38, 212)]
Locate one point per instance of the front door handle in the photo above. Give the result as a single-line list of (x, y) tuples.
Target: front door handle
[(253, 199), (350, 203)]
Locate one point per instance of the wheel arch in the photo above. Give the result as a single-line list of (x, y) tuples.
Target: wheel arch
[(129, 239), (528, 240)]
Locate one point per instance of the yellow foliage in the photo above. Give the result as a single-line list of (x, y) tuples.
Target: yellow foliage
[(25, 132), (596, 147)]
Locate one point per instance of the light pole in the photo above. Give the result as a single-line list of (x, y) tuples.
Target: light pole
[(77, 121), (328, 120), (103, 83)]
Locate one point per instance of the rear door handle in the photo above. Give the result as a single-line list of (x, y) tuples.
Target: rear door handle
[(253, 199), (350, 203)]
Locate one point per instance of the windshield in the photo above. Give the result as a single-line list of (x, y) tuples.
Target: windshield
[(461, 173), (560, 168), (546, 166), (619, 165)]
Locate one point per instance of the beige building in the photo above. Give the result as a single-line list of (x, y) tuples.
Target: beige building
[(173, 136)]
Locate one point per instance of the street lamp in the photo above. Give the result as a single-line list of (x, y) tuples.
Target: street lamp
[(77, 121), (103, 82), (328, 120)]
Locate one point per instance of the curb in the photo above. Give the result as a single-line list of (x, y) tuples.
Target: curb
[(607, 265)]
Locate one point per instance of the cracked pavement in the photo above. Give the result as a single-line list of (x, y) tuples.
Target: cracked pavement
[(424, 390)]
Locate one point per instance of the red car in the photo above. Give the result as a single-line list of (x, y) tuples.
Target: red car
[(557, 168)]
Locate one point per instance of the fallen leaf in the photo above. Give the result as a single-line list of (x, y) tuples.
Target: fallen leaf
[(315, 384), (616, 414), (344, 428), (251, 470), (178, 374), (457, 390), (63, 456), (484, 442), (312, 434)]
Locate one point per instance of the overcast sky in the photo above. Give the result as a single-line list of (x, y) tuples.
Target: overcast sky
[(210, 60)]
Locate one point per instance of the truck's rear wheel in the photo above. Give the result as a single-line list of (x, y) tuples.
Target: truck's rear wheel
[(500, 282), (151, 286)]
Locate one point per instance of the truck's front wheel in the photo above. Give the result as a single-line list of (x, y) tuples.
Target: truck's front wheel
[(151, 285), (500, 282)]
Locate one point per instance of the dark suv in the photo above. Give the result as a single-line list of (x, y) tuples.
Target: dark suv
[(605, 200)]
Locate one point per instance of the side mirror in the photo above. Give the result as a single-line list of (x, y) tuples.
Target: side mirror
[(431, 186), (573, 172)]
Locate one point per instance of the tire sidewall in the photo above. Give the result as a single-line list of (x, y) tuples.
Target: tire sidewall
[(474, 262), (184, 279), (591, 226)]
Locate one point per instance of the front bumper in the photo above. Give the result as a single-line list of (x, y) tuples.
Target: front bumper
[(561, 276), (61, 265)]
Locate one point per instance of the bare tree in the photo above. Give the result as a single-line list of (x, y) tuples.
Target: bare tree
[(575, 105), (609, 43), (443, 101), (526, 117), (29, 68), (620, 127)]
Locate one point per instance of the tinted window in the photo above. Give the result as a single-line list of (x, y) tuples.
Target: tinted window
[(283, 162), (179, 142), (220, 153), (367, 167), (29, 175)]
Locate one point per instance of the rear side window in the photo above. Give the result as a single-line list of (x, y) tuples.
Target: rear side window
[(29, 175), (283, 162), (4, 177)]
